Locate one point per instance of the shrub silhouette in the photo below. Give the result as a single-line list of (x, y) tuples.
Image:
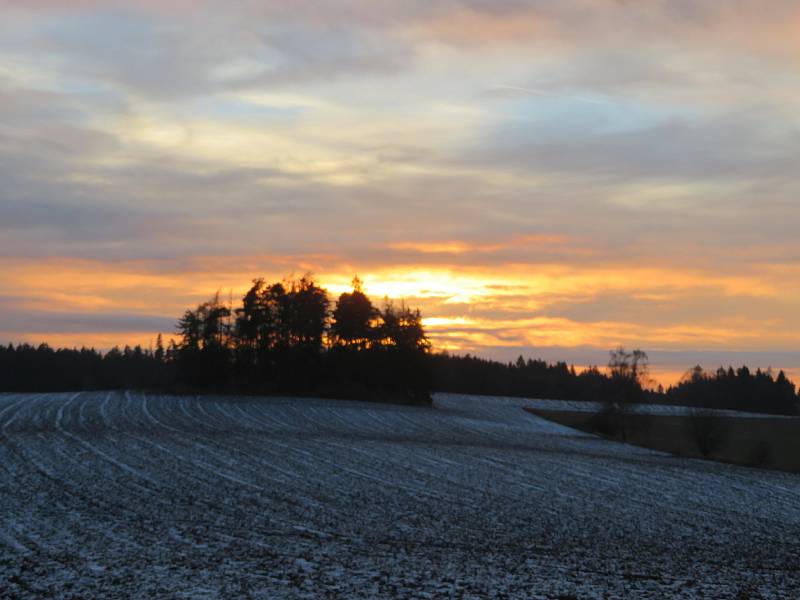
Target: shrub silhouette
[(706, 429)]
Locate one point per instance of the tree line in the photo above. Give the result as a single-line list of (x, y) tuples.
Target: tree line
[(27, 368), (738, 389), (625, 381), (288, 337)]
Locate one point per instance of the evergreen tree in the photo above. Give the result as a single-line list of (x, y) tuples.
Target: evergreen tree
[(354, 318)]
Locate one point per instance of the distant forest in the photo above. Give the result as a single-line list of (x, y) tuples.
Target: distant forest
[(740, 389), (289, 338)]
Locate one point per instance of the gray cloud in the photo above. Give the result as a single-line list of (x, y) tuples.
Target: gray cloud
[(14, 319)]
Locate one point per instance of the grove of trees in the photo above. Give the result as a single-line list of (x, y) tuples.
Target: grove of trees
[(284, 338)]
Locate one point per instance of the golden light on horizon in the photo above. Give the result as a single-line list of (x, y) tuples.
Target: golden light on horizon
[(419, 284), (516, 299)]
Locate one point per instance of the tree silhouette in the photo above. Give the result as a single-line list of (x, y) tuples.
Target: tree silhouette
[(204, 352), (628, 373), (159, 354), (739, 389), (354, 319), (402, 351), (306, 314), (402, 328), (630, 370), (254, 318)]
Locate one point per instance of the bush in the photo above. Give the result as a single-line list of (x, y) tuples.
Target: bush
[(610, 420), (706, 429)]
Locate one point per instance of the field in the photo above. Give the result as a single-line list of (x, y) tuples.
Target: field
[(119, 495), (751, 440)]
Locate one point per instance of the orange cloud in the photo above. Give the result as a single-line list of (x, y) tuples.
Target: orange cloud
[(461, 247)]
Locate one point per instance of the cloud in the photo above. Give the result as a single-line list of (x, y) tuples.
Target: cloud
[(562, 173), (16, 318), (531, 241)]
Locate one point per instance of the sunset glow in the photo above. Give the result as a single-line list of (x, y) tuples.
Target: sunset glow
[(510, 168)]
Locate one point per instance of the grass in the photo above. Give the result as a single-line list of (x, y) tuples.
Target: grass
[(768, 442)]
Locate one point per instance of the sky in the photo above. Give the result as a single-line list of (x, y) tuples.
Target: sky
[(551, 179)]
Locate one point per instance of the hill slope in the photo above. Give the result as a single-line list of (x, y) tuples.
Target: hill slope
[(149, 496)]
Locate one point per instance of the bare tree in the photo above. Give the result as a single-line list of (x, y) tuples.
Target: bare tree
[(628, 373)]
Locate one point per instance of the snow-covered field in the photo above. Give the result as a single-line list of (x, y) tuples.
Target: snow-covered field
[(112, 495)]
